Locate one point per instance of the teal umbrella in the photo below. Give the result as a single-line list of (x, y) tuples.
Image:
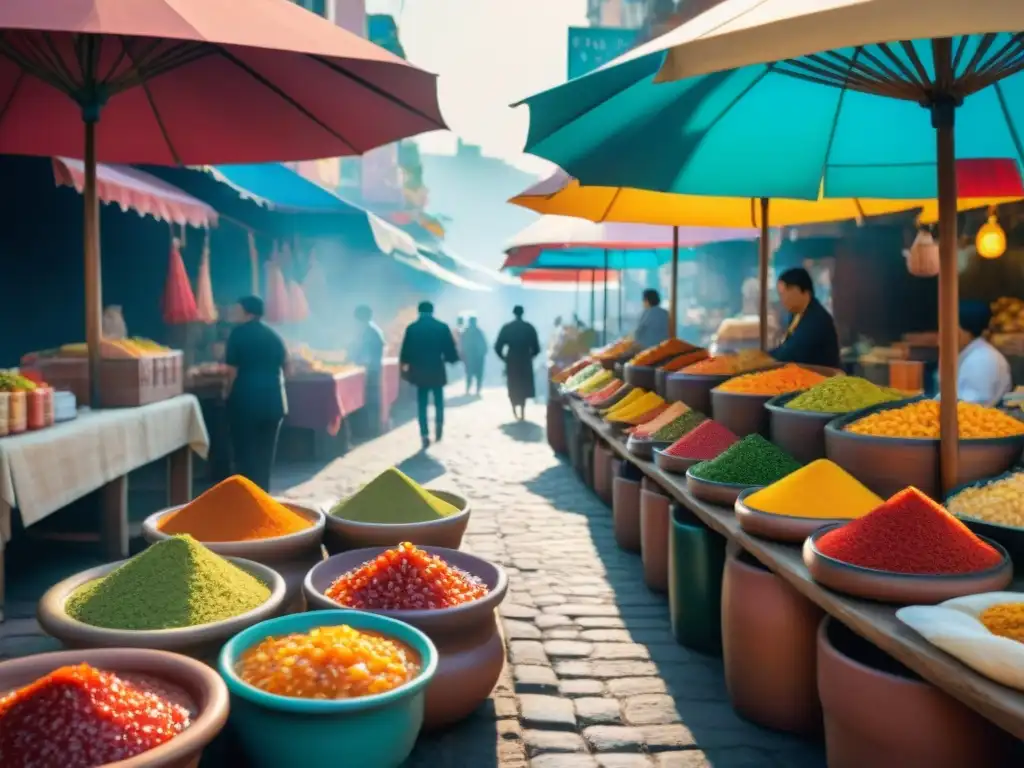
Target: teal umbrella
[(764, 98)]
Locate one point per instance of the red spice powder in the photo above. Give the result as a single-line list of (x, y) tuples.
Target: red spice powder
[(910, 533), (705, 442), (81, 717), (405, 578)]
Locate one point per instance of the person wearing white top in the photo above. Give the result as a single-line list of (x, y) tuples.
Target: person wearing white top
[(983, 374)]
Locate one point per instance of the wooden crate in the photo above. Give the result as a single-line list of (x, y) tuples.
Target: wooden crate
[(124, 383)]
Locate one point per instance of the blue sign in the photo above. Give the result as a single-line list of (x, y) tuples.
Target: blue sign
[(593, 47)]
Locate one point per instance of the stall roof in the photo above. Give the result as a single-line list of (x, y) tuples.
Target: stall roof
[(139, 191), (424, 263)]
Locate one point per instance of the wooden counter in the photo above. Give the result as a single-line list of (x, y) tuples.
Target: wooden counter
[(875, 621)]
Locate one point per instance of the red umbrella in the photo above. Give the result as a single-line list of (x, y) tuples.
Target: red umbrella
[(179, 302), (194, 82)]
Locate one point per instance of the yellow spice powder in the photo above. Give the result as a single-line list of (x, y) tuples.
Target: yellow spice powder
[(822, 489), (1005, 620)]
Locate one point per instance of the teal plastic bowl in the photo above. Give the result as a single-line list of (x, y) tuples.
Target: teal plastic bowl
[(370, 732)]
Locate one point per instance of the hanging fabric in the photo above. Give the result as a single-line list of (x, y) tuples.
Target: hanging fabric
[(179, 303), (207, 308), (277, 290), (298, 307)]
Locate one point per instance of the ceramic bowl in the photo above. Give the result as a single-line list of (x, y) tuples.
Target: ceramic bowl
[(608, 402), (291, 556), (200, 686), (471, 653), (342, 535), (801, 434), (889, 587), (786, 528), (722, 494), (644, 376), (376, 731), (644, 449), (677, 465), (202, 642)]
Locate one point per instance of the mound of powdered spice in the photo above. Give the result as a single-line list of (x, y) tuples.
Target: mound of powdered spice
[(822, 489), (679, 426), (82, 717), (705, 441), (175, 583), (909, 533), (842, 394), (393, 497), (751, 461), (235, 509)]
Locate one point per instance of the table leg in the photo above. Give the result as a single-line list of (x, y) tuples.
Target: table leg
[(179, 476), (114, 505)]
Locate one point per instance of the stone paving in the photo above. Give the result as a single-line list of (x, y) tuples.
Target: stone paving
[(594, 678)]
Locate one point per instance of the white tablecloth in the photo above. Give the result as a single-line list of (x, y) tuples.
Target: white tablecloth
[(43, 471)]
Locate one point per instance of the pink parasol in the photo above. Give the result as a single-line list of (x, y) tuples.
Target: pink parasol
[(205, 305), (179, 303), (194, 82)]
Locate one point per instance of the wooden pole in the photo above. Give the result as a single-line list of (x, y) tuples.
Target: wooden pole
[(93, 271), (943, 119), (763, 257), (593, 291), (673, 327), (604, 303), (622, 289)]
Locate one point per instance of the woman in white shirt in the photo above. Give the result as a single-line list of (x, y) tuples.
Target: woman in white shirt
[(983, 374)]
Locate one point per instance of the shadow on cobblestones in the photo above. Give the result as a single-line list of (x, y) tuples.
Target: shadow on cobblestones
[(523, 431)]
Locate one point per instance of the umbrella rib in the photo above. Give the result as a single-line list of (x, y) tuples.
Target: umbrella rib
[(908, 48), (378, 90), (1009, 122), (144, 85), (979, 54), (835, 122), (56, 62), (611, 204), (284, 96), (26, 64), (10, 98)]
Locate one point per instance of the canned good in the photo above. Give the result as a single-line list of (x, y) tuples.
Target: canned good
[(35, 411), (17, 413), (5, 407)]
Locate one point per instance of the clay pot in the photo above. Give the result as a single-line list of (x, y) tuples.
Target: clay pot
[(602, 473), (626, 513), (677, 465), (769, 634), (887, 465), (202, 642), (291, 556), (342, 535), (746, 414), (722, 494), (200, 685), (695, 563), (654, 514), (880, 714), (694, 389), (643, 376), (644, 448), (801, 434), (555, 427), (471, 652)]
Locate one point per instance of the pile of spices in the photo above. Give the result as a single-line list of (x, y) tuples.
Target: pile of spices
[(175, 583), (999, 501), (921, 420), (567, 373), (393, 497), (594, 383), (639, 406), (235, 509), (822, 489), (631, 397), (605, 392), (752, 461), (661, 352), (678, 363), (1005, 620), (336, 662), (648, 428), (776, 381), (405, 579), (82, 717), (842, 394), (582, 375), (679, 426), (910, 533), (730, 365), (706, 441)]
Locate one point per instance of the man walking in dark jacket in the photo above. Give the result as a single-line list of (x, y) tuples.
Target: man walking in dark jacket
[(428, 345)]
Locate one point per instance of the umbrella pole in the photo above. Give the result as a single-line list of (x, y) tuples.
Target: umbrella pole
[(673, 327), (622, 286), (604, 303), (577, 309), (593, 293), (943, 117), (762, 275), (93, 274)]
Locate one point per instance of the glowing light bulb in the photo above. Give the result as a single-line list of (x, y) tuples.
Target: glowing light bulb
[(991, 239)]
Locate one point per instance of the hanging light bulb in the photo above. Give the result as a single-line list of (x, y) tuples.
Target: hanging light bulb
[(991, 239)]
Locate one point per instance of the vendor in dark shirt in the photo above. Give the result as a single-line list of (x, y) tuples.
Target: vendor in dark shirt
[(811, 336), (256, 356)]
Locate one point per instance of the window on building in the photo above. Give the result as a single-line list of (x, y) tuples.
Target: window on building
[(318, 7)]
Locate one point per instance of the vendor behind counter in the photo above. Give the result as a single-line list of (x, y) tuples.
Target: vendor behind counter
[(811, 337)]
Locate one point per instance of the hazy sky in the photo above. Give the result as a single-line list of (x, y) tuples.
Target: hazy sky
[(488, 53)]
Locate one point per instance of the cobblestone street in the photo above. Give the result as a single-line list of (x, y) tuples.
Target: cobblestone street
[(594, 676)]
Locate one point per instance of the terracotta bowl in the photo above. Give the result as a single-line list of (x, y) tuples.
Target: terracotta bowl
[(694, 389), (880, 714), (677, 465), (785, 528), (889, 587), (343, 535), (291, 556), (200, 685), (1011, 538), (643, 376), (801, 434), (644, 449), (722, 494), (887, 465), (203, 642), (471, 652)]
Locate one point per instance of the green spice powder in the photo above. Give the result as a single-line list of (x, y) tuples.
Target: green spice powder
[(679, 427), (751, 461), (175, 583), (393, 497), (842, 394)]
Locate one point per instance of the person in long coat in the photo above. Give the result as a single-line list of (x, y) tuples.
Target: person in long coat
[(427, 347), (474, 354), (517, 346)]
